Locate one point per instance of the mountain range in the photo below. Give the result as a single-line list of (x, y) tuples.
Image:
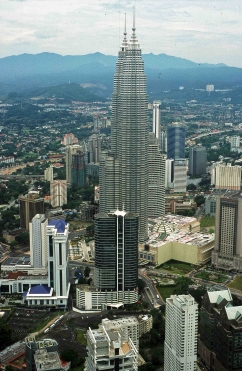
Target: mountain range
[(95, 73)]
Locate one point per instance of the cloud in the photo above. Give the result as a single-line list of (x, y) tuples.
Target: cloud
[(201, 30)]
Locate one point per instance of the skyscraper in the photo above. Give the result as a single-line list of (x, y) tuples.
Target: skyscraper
[(227, 252), (116, 254), (197, 160), (78, 170), (30, 205), (123, 171), (175, 141), (156, 120), (70, 151), (156, 183), (181, 333), (58, 277), (38, 241)]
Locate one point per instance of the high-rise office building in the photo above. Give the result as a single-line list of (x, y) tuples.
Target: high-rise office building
[(180, 346), (124, 171), (29, 206), (116, 254), (58, 192), (156, 120), (78, 170), (227, 252), (156, 183), (70, 151), (226, 176), (38, 241), (175, 141), (213, 302), (197, 160), (58, 278)]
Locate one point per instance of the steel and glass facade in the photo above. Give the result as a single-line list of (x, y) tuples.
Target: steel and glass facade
[(123, 171), (175, 141), (116, 251)]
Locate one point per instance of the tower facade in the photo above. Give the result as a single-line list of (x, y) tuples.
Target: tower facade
[(70, 151), (38, 241), (175, 141), (181, 333), (227, 252), (58, 276), (156, 183), (156, 120), (116, 254), (197, 160), (30, 205), (226, 176), (123, 171), (78, 171), (58, 192)]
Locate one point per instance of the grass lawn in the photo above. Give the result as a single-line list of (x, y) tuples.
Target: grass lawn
[(176, 267), (166, 291), (80, 337), (236, 283), (214, 277), (207, 221)]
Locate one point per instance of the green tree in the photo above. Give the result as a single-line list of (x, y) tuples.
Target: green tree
[(5, 334), (23, 238), (87, 271), (69, 355), (199, 200), (141, 284), (157, 356), (182, 284)]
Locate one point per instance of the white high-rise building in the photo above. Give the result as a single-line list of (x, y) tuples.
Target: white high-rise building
[(181, 333), (226, 176), (180, 175), (156, 120), (58, 192), (49, 174), (57, 234), (169, 173), (111, 348), (235, 144), (38, 241)]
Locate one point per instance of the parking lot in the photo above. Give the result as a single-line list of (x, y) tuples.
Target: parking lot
[(24, 321)]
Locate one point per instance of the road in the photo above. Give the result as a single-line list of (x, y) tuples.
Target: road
[(152, 291)]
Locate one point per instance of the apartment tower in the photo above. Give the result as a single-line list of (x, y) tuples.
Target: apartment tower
[(181, 333), (58, 192), (124, 171)]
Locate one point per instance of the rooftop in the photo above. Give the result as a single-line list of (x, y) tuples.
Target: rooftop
[(59, 224)]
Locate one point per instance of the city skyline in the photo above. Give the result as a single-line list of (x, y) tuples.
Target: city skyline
[(191, 31)]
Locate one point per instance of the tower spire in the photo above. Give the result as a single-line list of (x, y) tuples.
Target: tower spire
[(134, 40), (125, 41)]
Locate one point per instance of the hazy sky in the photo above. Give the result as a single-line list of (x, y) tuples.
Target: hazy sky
[(199, 30)]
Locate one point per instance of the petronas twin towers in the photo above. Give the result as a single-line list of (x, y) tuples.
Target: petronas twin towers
[(124, 170)]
